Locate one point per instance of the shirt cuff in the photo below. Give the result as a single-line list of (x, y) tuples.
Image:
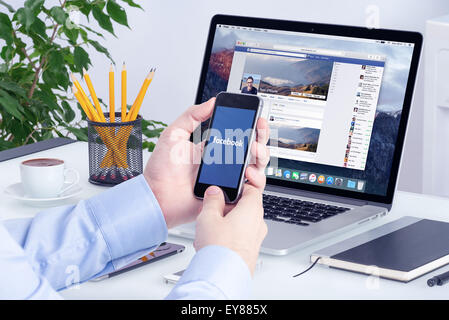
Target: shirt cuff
[(129, 217), (221, 267)]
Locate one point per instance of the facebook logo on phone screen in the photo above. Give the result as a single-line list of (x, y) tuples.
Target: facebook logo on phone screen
[(224, 155)]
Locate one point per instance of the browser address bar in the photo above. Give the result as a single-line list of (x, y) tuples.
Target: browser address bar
[(283, 53)]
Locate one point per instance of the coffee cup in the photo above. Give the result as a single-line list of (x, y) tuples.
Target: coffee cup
[(46, 177)]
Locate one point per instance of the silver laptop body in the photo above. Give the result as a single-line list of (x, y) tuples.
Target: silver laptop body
[(284, 238)]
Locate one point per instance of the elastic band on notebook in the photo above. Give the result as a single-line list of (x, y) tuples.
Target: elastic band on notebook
[(313, 264)]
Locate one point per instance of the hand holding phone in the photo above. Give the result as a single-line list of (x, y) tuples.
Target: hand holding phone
[(229, 139)]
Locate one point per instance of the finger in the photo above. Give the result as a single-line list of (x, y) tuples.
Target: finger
[(251, 198), (197, 152), (193, 116), (260, 155), (256, 177), (213, 202), (263, 131)]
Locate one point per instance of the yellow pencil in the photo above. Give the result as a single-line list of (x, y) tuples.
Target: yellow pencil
[(82, 103), (111, 95), (85, 99), (132, 115), (93, 95), (123, 92)]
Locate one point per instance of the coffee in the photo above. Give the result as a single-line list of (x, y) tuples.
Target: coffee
[(44, 162)]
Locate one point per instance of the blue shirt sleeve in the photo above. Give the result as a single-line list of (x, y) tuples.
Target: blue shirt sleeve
[(72, 244), (215, 272)]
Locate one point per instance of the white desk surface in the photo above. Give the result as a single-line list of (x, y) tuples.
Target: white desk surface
[(274, 278)]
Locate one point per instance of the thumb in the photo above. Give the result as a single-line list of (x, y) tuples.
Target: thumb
[(214, 201), (193, 116)]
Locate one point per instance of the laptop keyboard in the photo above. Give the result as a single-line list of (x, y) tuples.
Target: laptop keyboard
[(296, 211)]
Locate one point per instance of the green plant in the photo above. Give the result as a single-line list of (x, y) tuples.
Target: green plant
[(41, 46)]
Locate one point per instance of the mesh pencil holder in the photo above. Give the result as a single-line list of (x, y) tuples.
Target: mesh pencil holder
[(115, 150)]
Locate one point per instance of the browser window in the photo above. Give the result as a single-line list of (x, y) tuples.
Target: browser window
[(320, 103), (334, 103)]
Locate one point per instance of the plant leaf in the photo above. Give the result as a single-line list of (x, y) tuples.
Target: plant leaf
[(11, 105), (47, 99), (55, 60), (34, 5), (39, 27), (93, 31), (62, 77), (25, 17), (78, 133), (103, 19), (149, 145), (13, 87), (72, 34), (10, 9), (7, 53), (5, 28), (117, 13), (83, 114), (4, 145), (48, 134), (80, 5), (69, 114), (132, 4), (81, 59), (100, 49), (154, 133), (59, 15)]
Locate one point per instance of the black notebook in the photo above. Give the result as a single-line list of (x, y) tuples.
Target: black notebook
[(401, 250)]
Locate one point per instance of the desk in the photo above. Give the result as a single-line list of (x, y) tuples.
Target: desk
[(274, 278)]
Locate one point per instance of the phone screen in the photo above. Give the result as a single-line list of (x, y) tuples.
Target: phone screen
[(226, 149)]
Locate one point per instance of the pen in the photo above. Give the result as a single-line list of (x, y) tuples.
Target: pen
[(142, 261), (438, 280)]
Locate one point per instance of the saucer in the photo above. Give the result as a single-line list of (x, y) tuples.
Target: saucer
[(16, 191)]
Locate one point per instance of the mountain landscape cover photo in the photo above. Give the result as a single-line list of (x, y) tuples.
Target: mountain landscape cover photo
[(296, 138), (287, 76)]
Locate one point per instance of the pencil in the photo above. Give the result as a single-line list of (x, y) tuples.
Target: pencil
[(123, 105), (93, 95), (85, 99), (82, 102), (111, 95), (132, 115)]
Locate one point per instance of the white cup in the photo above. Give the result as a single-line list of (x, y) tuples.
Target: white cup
[(45, 178)]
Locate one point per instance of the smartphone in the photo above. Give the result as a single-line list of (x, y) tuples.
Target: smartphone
[(228, 143), (163, 251), (174, 277)]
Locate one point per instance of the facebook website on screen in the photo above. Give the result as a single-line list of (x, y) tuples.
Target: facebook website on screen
[(326, 99)]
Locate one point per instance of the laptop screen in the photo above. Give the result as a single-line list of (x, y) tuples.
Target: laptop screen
[(333, 103)]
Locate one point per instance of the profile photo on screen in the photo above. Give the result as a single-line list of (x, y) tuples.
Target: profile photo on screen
[(250, 83)]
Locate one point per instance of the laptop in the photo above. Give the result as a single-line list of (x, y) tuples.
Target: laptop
[(337, 100)]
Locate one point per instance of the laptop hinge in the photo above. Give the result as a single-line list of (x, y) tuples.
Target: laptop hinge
[(322, 196)]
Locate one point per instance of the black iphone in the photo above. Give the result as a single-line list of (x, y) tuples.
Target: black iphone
[(228, 143)]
